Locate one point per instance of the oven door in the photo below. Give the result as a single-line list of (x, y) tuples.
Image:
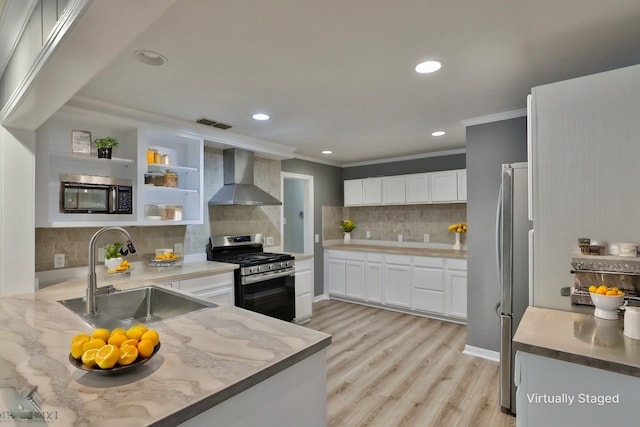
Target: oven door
[(274, 296)]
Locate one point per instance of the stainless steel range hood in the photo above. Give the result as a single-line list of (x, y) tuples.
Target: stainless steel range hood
[(238, 188)]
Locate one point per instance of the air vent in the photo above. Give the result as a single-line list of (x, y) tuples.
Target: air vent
[(213, 123)]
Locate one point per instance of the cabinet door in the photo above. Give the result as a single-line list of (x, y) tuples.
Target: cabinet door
[(219, 295), (199, 285), (354, 279), (417, 188), (373, 283), (393, 189), (372, 191), (444, 186), (304, 293), (428, 285), (457, 294), (353, 192), (462, 185), (336, 276), (397, 285)]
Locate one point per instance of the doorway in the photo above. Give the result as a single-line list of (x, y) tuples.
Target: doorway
[(297, 213)]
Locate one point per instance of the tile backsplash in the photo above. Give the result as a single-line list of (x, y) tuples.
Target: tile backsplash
[(74, 242), (387, 222)]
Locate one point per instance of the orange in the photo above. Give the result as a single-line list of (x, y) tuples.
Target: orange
[(130, 342), (117, 340), (93, 343), (107, 356), (611, 293), (89, 358), (101, 333), (136, 331), (145, 348), (152, 336), (128, 355), (592, 289)]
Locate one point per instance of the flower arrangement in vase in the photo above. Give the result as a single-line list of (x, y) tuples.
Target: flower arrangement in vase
[(459, 228), (112, 255), (347, 227)]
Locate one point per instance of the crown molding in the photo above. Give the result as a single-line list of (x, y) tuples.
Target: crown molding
[(410, 157), (506, 115)]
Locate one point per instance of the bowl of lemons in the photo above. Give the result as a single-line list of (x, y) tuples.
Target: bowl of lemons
[(110, 352), (607, 300)]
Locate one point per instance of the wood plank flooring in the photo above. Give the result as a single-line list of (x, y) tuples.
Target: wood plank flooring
[(392, 369)]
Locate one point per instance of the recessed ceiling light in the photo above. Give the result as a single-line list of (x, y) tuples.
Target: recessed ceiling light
[(438, 133), (261, 116), (150, 57), (327, 152), (428, 67)]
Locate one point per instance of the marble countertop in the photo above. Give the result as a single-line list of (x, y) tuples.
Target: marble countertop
[(578, 338), (206, 357), (400, 250)]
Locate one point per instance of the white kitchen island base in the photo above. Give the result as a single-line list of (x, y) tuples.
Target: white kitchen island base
[(291, 398), (553, 392)]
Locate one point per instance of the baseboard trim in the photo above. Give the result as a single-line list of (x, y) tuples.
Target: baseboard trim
[(482, 353)]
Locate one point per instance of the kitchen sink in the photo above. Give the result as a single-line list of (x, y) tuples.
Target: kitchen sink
[(140, 305)]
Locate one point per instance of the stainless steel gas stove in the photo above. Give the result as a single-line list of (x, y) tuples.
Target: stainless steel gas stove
[(264, 281)]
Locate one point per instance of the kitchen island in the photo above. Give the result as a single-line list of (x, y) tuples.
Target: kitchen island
[(224, 364), (575, 369)]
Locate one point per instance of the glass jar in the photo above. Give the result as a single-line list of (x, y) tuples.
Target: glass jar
[(151, 155)]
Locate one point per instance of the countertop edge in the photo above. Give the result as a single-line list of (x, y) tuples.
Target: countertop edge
[(234, 389), (443, 253)]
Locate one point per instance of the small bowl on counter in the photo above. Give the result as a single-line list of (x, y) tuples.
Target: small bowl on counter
[(606, 305)]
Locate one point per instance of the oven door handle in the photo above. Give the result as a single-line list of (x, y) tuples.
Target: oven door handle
[(262, 277)]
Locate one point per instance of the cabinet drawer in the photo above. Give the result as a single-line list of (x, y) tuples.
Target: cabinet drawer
[(346, 255), (303, 265), (398, 259), (371, 256), (428, 262), (425, 300), (198, 284), (456, 264)]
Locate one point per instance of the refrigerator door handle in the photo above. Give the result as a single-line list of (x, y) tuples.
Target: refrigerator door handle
[(499, 238), (506, 237)]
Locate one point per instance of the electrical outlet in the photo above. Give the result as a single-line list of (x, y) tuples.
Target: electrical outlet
[(399, 237), (58, 261), (317, 238), (100, 254), (268, 241), (368, 234), (178, 248), (426, 237)]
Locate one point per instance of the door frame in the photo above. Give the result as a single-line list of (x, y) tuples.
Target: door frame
[(308, 209)]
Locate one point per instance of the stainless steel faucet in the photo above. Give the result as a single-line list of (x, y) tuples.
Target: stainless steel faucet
[(92, 282)]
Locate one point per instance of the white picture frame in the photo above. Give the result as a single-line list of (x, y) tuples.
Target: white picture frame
[(80, 142)]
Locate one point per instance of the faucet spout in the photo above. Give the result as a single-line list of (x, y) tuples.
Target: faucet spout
[(92, 282)]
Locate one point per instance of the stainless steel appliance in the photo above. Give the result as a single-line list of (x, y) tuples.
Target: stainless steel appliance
[(512, 245), (95, 194), (264, 282)]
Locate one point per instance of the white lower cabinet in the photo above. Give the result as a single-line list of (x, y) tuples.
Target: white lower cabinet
[(216, 287), (397, 280), (416, 284), (428, 284), (304, 290)]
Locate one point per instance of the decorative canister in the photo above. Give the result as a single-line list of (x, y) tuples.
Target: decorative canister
[(170, 179)]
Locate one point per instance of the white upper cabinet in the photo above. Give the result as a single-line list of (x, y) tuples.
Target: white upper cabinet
[(153, 204), (393, 190), (430, 187), (417, 188)]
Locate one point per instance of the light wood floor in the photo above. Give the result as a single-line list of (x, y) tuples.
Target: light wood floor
[(391, 369)]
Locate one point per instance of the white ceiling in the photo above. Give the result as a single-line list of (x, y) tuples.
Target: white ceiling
[(338, 74)]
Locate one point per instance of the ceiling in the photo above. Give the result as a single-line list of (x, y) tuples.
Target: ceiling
[(338, 75)]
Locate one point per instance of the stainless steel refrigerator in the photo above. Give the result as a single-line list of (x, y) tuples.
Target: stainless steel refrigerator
[(512, 247)]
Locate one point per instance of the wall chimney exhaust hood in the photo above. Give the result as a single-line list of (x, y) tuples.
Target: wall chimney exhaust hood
[(238, 188)]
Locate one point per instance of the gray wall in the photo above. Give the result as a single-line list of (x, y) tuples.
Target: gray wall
[(488, 147), (427, 164), (327, 191)]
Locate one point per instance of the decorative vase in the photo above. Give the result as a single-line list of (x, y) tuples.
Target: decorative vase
[(457, 246), (347, 238), (112, 263), (104, 153)]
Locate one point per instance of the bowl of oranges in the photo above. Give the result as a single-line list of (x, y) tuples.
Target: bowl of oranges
[(607, 300), (109, 352)]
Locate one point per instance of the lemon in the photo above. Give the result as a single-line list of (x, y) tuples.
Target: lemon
[(101, 333), (128, 355), (80, 337), (145, 348), (118, 331), (89, 357), (107, 356), (592, 289), (136, 331), (117, 340), (152, 336), (132, 342), (93, 343), (76, 349)]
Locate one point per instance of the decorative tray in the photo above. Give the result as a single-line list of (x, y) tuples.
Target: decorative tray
[(116, 369)]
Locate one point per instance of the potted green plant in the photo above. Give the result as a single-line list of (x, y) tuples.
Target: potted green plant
[(112, 255), (105, 146)]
